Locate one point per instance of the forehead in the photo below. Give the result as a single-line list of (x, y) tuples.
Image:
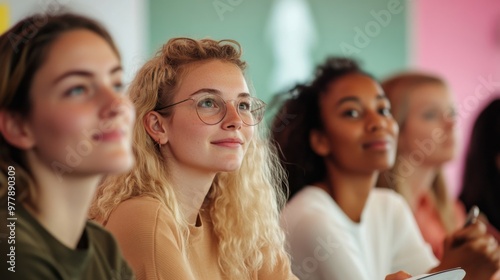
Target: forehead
[(79, 47), (430, 93), (214, 74), (353, 85)]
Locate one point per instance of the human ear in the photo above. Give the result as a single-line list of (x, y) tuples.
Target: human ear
[(319, 143), (15, 130), (155, 126)]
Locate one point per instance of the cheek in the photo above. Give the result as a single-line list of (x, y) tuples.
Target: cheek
[(416, 130), (343, 143), (62, 125), (393, 128), (187, 135), (248, 132), (347, 133)]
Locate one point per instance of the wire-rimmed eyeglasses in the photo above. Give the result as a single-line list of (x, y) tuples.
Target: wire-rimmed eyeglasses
[(211, 108)]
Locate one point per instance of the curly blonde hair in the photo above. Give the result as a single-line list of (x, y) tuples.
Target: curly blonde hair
[(253, 191)]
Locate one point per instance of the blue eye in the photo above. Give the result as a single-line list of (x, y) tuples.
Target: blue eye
[(430, 115), (452, 114), (119, 87), (76, 91), (207, 103), (244, 105)]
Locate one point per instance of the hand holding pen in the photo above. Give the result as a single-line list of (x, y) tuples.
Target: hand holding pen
[(472, 248), (472, 216)]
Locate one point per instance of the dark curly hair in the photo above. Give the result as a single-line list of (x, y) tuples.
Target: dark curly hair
[(298, 115)]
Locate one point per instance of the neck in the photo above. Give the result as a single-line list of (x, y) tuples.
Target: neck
[(191, 187), (60, 206), (349, 190)]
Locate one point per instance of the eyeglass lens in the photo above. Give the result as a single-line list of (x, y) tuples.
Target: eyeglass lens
[(212, 109)]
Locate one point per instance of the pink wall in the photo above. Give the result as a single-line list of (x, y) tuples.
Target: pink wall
[(460, 40)]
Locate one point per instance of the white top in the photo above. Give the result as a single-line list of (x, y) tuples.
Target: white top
[(325, 244)]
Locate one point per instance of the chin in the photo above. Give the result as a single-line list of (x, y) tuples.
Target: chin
[(117, 165), (126, 164), (382, 165), (229, 166)]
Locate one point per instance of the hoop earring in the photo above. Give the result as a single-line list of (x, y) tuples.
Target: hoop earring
[(158, 143)]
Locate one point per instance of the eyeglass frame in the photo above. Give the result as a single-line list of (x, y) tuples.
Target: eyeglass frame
[(225, 105)]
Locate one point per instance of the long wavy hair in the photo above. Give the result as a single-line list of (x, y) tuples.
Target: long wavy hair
[(481, 179), (23, 49), (252, 191), (298, 115), (397, 89)]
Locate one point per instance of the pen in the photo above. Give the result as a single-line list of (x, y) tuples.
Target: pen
[(472, 216)]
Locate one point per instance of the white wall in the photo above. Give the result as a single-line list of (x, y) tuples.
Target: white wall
[(126, 20)]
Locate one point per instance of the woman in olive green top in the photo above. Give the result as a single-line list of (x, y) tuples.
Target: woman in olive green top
[(64, 124)]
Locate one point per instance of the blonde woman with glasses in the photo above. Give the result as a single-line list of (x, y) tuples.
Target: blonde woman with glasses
[(203, 200)]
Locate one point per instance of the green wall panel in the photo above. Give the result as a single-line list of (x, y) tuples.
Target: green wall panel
[(361, 28)]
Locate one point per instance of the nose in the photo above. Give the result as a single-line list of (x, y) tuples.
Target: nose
[(232, 119), (113, 103), (375, 122)]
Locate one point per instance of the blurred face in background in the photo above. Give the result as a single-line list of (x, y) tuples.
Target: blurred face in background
[(81, 119), (429, 126)]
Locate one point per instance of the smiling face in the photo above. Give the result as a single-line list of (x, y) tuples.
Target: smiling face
[(80, 117), (359, 133), (429, 126), (193, 144)]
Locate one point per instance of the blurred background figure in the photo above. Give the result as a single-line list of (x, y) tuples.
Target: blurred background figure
[(481, 179), (423, 107), (343, 135), (338, 225), (65, 123)]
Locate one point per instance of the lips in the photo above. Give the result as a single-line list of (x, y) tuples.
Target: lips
[(228, 142), (376, 145), (109, 136)]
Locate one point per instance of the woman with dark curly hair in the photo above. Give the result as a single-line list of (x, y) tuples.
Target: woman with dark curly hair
[(336, 135)]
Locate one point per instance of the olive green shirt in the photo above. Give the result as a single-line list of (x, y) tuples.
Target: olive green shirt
[(38, 255)]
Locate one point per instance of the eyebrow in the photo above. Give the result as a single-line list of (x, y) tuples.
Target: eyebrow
[(355, 99), (83, 73), (216, 91)]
